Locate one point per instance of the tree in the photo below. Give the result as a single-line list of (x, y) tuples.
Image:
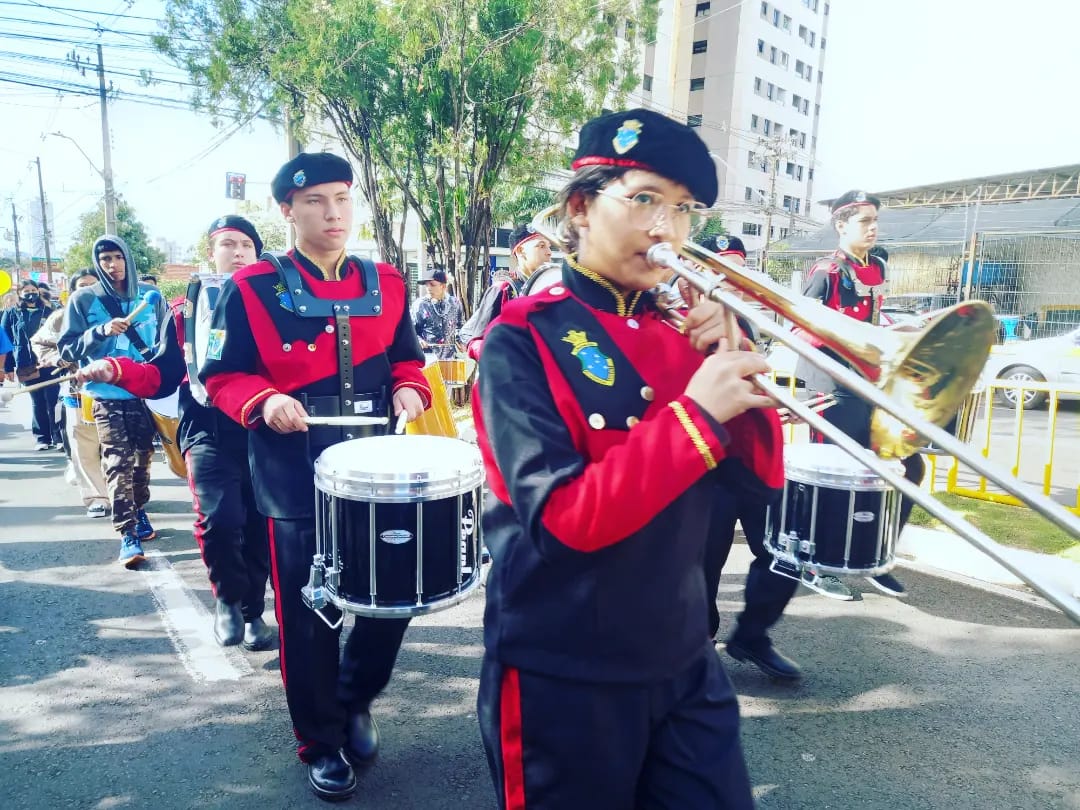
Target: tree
[(438, 101), (92, 225)]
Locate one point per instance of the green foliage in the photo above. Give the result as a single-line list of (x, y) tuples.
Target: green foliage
[(269, 224), (714, 226), (441, 104), (172, 288), (92, 226)]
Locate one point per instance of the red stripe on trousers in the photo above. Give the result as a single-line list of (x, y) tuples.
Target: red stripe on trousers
[(277, 600), (195, 530), (510, 736)]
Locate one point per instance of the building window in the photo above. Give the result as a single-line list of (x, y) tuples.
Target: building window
[(796, 101), (798, 172), (817, 110), (781, 95), (628, 31), (646, 83), (771, 91), (826, 9), (789, 170), (802, 140), (820, 73), (776, 18), (823, 43), (693, 120), (810, 174), (783, 58), (751, 229), (757, 86), (772, 55), (798, 205), (787, 201), (813, 37), (697, 84), (806, 106), (783, 233), (761, 194), (768, 126), (749, 194), (765, 9), (799, 66), (761, 47), (787, 23), (701, 45), (753, 123), (702, 9)]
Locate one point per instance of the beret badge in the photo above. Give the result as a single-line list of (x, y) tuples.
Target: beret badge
[(299, 179), (627, 136)]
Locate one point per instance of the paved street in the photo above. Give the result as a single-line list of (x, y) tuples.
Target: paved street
[(111, 697)]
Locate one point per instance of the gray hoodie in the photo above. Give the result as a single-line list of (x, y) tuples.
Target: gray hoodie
[(90, 309)]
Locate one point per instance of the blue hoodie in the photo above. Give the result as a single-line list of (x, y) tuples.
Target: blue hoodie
[(83, 337)]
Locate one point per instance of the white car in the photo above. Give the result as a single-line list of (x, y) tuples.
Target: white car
[(1054, 360)]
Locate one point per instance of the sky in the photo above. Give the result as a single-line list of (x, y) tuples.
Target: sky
[(915, 91)]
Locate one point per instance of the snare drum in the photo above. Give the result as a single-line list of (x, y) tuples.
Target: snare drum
[(397, 525), (835, 516)]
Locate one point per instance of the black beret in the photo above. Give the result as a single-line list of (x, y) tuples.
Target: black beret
[(232, 222), (309, 169), (854, 197), (722, 245), (522, 233), (643, 139)]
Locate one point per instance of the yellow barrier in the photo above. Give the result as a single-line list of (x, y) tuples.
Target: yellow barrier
[(981, 492)]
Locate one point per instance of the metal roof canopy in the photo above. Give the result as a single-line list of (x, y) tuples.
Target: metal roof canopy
[(955, 223), (1034, 184)]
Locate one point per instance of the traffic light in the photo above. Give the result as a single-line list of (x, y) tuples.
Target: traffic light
[(234, 185)]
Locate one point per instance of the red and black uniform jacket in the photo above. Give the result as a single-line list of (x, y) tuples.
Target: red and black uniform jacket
[(167, 372), (259, 346), (840, 282), (601, 490)]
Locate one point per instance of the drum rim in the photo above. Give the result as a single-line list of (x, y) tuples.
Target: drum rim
[(456, 477), (859, 479), (402, 611)]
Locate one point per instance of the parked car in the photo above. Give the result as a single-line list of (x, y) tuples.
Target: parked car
[(906, 305), (1054, 360)]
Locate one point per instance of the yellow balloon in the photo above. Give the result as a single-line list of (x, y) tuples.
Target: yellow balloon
[(5, 282)]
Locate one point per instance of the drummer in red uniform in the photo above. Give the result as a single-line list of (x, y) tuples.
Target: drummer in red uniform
[(851, 280), (601, 428), (316, 332)]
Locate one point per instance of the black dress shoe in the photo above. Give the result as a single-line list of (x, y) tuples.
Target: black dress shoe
[(228, 624), (332, 777), (767, 658), (258, 636), (363, 737)]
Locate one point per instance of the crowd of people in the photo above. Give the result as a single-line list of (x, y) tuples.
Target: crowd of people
[(619, 455)]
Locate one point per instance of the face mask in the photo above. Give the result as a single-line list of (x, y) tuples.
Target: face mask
[(29, 298)]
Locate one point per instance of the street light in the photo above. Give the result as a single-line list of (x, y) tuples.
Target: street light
[(110, 194)]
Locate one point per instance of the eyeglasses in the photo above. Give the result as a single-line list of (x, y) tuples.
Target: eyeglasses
[(646, 209)]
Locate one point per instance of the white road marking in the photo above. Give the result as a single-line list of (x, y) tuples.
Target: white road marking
[(189, 626)]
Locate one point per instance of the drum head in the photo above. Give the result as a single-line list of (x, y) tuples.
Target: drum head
[(399, 469), (830, 466), (169, 406)]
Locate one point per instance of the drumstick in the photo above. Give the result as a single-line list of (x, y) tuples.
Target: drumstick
[(343, 421), (402, 418), (5, 396), (131, 315)]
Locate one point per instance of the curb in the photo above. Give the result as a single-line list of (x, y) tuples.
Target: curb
[(1026, 595)]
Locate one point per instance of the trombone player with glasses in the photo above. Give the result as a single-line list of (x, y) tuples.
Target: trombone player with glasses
[(605, 434)]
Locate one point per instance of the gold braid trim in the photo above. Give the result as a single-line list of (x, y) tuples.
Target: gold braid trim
[(622, 306), (328, 275), (695, 435), (245, 412)]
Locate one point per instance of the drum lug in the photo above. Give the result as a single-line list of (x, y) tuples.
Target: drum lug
[(314, 593)]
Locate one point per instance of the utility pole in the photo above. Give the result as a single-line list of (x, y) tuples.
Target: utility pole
[(15, 231), (44, 222), (111, 225), (776, 148)]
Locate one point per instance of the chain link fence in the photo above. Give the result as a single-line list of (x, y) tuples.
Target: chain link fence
[(1032, 279)]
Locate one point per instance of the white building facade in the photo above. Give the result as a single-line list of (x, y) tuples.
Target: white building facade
[(750, 77)]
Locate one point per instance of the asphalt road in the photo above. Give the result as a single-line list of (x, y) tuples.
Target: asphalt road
[(954, 698)]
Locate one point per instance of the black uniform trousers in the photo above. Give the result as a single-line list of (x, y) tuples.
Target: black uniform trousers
[(321, 693), (228, 527), (766, 593), (852, 415), (43, 422), (554, 744)]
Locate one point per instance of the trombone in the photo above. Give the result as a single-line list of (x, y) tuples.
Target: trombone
[(915, 381)]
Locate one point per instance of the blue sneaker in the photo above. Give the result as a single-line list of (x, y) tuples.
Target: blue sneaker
[(131, 553), (143, 529)]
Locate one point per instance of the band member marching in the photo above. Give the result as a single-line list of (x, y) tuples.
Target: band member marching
[(600, 428), (437, 317), (851, 280), (529, 251), (315, 333), (228, 528)]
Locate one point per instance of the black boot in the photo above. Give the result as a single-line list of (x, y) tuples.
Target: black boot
[(257, 635), (363, 737), (332, 777), (228, 623), (765, 657)]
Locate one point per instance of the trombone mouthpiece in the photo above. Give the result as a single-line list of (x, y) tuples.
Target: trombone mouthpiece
[(663, 254)]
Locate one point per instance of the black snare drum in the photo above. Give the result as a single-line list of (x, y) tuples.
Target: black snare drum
[(397, 525), (836, 516)]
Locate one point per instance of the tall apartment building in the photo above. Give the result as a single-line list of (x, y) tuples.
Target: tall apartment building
[(749, 76)]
